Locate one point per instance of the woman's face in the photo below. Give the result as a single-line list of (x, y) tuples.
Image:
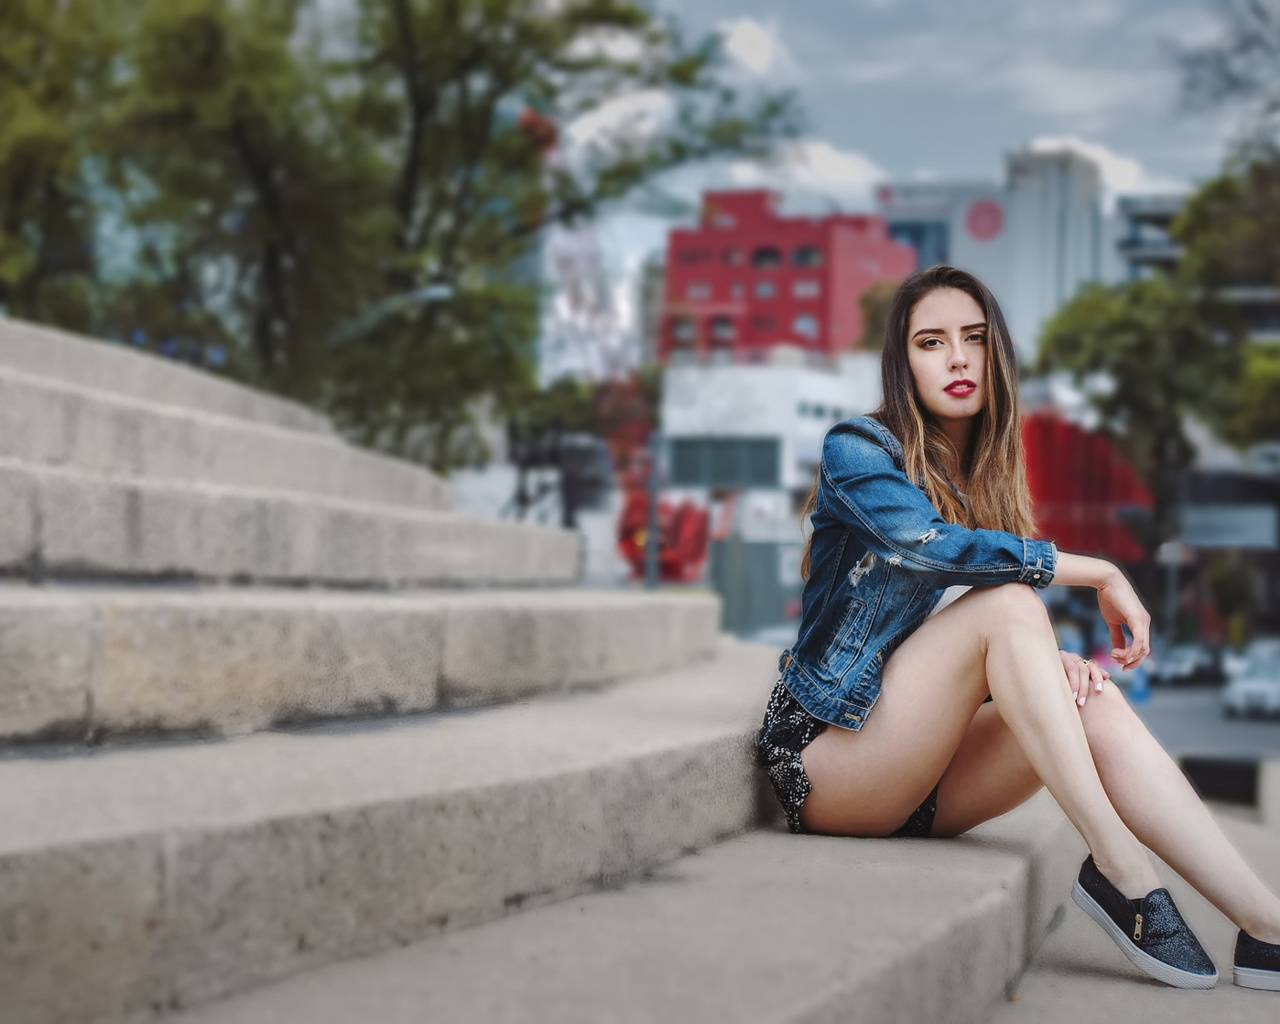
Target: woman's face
[(947, 352)]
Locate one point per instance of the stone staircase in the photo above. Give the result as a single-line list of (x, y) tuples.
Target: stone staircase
[(327, 716)]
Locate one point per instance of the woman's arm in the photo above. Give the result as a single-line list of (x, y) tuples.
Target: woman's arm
[(1083, 571), (1117, 600)]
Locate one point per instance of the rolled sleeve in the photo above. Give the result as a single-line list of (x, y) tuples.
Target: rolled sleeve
[(1039, 563)]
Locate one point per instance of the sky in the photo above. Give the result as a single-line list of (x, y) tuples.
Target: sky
[(940, 88)]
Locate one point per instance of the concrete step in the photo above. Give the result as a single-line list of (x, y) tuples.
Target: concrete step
[(63, 523), (766, 927), (50, 422), (133, 879), (79, 662), (60, 355)]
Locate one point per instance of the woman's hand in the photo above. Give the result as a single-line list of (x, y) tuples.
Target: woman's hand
[(1120, 606), (1083, 674)]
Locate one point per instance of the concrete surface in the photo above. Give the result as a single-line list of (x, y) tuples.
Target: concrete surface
[(62, 523), (160, 877), (79, 662), (1080, 975), (1269, 794), (54, 423), (47, 352), (767, 927)]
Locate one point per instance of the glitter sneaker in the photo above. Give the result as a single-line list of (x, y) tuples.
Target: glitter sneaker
[(1257, 963), (1149, 931)]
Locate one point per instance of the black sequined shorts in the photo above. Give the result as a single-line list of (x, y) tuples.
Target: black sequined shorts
[(788, 729)]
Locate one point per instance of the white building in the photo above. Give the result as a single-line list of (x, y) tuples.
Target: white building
[(1033, 239)]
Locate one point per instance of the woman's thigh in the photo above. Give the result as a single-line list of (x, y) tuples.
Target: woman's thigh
[(868, 782), (988, 775)]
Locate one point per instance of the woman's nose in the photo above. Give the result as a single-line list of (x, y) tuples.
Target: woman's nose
[(958, 356)]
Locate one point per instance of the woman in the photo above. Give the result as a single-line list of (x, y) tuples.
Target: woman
[(912, 705)]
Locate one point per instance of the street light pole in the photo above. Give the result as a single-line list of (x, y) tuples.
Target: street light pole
[(651, 526)]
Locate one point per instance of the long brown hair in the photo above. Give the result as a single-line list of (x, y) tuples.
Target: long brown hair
[(997, 497)]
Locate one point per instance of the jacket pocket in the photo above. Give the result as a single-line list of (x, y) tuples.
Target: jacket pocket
[(839, 648)]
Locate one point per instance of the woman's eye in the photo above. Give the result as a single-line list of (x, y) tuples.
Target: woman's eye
[(979, 338)]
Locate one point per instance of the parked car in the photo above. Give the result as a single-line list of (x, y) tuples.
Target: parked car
[(1187, 663), (1256, 690), (1234, 663)]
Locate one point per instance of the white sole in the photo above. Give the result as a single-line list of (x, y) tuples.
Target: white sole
[(1145, 962), (1256, 977)]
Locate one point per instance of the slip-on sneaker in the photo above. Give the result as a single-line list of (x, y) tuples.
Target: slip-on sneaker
[(1149, 931), (1257, 963)]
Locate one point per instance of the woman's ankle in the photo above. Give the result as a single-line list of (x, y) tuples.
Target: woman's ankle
[(1133, 877)]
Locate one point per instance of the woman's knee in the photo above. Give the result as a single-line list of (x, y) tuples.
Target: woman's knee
[(1107, 717)]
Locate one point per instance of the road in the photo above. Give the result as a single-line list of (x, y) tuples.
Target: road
[(1189, 722)]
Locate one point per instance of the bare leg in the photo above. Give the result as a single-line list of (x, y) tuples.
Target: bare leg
[(867, 783), (1158, 804)]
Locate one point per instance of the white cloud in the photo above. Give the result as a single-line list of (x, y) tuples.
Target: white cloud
[(637, 115), (756, 49), (812, 175), (1120, 174)]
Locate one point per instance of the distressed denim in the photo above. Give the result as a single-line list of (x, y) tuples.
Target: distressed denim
[(881, 558)]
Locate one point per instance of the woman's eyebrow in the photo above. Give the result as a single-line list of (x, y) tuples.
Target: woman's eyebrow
[(939, 330)]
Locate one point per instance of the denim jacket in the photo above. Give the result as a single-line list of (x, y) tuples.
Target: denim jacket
[(881, 558)]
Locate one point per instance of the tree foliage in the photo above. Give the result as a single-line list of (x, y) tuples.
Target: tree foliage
[(1157, 358), (259, 176)]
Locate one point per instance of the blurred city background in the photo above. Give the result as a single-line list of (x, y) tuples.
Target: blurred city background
[(519, 295), (619, 267)]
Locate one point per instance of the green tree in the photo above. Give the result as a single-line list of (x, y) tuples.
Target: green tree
[(347, 200), (875, 303), (299, 170), (1230, 226), (1154, 358), (56, 75)]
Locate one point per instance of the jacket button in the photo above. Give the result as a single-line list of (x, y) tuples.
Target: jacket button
[(1035, 576)]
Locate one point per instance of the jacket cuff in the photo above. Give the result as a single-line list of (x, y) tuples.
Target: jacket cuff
[(1039, 562)]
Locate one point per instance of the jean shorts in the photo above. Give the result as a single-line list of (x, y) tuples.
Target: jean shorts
[(788, 728)]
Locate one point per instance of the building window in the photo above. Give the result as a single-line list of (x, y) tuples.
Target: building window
[(806, 256), (806, 289), (766, 256), (684, 331), (733, 257), (730, 462), (806, 325), (698, 290), (766, 289), (723, 329)]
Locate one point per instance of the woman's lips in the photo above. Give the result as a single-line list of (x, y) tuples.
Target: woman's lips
[(961, 388)]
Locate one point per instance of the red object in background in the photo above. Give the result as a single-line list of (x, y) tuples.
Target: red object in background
[(1079, 485), (817, 270), (682, 537), (985, 220), (540, 128)]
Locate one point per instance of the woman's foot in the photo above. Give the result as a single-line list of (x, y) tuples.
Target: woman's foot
[(1149, 930), (1257, 963)]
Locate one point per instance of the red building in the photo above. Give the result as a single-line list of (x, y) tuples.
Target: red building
[(747, 279)]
